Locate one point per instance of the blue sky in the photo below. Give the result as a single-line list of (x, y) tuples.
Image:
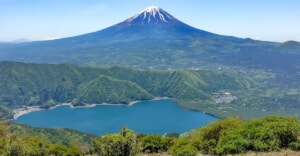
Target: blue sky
[(272, 20)]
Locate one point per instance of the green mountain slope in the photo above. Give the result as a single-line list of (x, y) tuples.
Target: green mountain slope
[(191, 83), (45, 85), (54, 135), (110, 90)]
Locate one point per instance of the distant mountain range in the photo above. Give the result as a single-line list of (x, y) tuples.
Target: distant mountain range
[(155, 39), (21, 40)]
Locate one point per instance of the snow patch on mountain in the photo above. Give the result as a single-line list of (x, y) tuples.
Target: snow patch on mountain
[(152, 14)]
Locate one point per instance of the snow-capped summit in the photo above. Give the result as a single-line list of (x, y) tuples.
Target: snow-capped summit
[(152, 22), (152, 9), (151, 15)]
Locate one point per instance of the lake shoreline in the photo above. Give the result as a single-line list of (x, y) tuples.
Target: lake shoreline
[(156, 116), (22, 111)]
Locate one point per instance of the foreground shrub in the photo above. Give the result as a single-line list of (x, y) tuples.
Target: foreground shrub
[(209, 136), (155, 143), (232, 143), (267, 134), (183, 147), (122, 144), (270, 133), (295, 146)]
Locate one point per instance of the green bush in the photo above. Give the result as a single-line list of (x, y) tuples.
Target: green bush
[(267, 134), (270, 133), (210, 135), (155, 143), (183, 147), (295, 146), (124, 143), (232, 143)]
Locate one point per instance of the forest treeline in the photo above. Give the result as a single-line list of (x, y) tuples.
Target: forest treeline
[(227, 136)]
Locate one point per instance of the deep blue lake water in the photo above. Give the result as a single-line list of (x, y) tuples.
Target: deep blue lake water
[(155, 117)]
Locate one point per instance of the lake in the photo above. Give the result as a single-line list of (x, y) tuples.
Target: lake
[(148, 117)]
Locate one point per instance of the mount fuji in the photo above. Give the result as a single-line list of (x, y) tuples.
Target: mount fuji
[(155, 39), (150, 23)]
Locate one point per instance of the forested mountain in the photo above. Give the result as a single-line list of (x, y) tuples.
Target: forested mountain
[(47, 85)]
